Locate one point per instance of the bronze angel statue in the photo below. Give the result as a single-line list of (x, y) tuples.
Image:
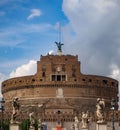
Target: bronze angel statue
[(59, 45)]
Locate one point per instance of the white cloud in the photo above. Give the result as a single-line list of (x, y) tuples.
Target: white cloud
[(85, 13), (96, 28), (104, 6), (50, 52), (20, 33), (23, 70), (2, 78), (34, 13), (115, 73), (26, 69)]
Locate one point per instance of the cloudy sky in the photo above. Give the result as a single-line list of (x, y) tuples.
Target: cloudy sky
[(89, 29)]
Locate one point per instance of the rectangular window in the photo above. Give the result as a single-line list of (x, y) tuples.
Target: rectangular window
[(53, 77), (63, 77), (58, 77)]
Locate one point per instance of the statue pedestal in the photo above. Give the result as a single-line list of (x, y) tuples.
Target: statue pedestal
[(101, 126), (76, 128), (84, 128), (32, 129), (59, 53), (14, 126), (59, 129)]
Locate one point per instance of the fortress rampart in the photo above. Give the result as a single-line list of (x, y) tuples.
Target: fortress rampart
[(59, 80), (107, 86)]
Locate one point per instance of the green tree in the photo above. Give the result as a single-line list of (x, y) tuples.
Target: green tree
[(5, 125), (25, 124)]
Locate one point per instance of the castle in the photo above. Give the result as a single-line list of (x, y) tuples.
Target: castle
[(59, 90)]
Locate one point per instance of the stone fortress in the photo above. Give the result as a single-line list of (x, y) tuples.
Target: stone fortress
[(58, 91)]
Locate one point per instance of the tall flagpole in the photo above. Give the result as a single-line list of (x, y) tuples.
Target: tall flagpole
[(59, 32)]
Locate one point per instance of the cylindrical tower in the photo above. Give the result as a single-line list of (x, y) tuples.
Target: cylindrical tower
[(60, 86)]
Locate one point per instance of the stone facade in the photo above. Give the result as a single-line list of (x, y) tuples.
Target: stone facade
[(61, 87)]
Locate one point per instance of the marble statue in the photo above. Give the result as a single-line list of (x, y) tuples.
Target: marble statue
[(40, 124), (72, 127), (76, 123), (16, 107), (100, 110), (85, 119), (32, 120)]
